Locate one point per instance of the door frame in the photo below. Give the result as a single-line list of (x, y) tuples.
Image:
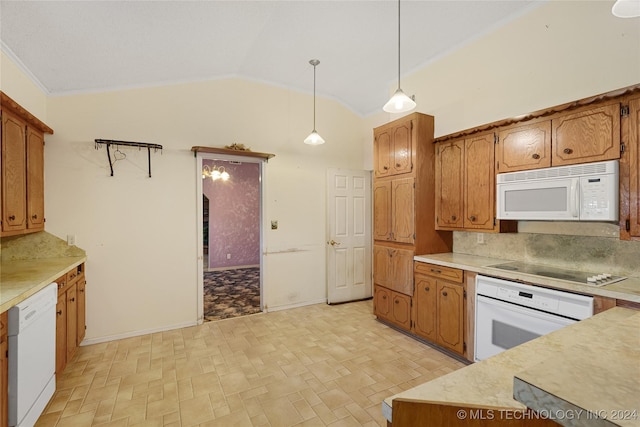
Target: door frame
[(200, 157)]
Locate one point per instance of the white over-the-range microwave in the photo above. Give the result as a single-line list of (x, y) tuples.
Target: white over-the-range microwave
[(583, 192)]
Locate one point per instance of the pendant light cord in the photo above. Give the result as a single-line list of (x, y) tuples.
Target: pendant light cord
[(314, 97), (398, 44)]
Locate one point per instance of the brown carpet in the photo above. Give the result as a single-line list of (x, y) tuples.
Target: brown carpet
[(231, 293)]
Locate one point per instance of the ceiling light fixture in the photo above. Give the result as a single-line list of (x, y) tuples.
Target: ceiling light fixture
[(399, 102), (626, 8), (314, 137), (215, 173)]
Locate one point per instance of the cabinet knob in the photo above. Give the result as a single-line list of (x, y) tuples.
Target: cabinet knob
[(34, 216), (435, 270), (453, 217), (59, 312), (536, 156), (384, 297), (397, 165), (426, 288), (473, 218), (385, 168), (12, 218), (567, 151), (397, 301), (444, 293), (73, 299)]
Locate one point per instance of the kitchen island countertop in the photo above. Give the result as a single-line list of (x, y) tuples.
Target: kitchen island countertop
[(490, 383)]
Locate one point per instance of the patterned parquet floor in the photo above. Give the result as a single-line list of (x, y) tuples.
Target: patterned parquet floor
[(231, 293), (318, 365)]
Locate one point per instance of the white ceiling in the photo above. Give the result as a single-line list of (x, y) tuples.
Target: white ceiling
[(89, 46)]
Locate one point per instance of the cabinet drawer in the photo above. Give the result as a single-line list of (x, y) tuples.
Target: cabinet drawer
[(75, 273), (447, 273), (62, 284)]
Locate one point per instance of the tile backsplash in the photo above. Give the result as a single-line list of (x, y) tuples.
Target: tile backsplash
[(596, 254)]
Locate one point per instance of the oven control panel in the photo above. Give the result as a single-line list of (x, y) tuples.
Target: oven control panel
[(528, 299)]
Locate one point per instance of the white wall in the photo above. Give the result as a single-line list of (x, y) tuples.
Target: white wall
[(140, 233), (21, 88)]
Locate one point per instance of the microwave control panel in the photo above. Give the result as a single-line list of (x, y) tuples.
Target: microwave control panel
[(598, 198)]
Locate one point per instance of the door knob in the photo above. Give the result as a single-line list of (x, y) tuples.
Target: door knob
[(333, 243)]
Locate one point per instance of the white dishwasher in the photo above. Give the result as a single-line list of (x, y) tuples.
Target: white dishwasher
[(32, 356)]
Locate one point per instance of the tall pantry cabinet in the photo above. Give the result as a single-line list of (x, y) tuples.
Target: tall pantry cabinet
[(403, 213)]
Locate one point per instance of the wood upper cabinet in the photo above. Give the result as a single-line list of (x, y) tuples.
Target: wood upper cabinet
[(35, 180), (629, 175), (393, 268), (14, 174), (524, 146), (479, 182), (449, 184), (393, 210), (393, 149), (465, 184), (587, 135)]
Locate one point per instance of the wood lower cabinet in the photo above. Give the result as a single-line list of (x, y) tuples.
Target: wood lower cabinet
[(392, 306), (439, 306), (4, 371), (70, 315), (393, 268)]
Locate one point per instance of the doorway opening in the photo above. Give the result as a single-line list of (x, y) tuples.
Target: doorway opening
[(230, 237)]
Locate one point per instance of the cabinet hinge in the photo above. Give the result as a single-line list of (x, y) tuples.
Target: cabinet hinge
[(496, 138), (411, 126), (464, 294), (622, 147), (414, 236), (464, 346), (497, 165), (494, 221), (627, 224), (624, 111)]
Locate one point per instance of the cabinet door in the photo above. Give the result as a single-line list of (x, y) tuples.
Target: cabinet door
[(586, 136), (382, 153), (14, 180), (72, 321), (381, 265), (479, 182), (425, 307), (382, 210), (634, 164), (35, 179), (401, 146), (4, 372), (381, 302), (403, 211), (401, 310), (82, 312), (451, 316), (524, 147), (401, 269), (449, 184), (61, 333)]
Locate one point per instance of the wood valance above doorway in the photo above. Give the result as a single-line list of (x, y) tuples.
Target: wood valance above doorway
[(230, 152)]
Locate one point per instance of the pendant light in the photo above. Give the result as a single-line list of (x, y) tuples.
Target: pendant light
[(314, 138), (399, 102), (626, 9)]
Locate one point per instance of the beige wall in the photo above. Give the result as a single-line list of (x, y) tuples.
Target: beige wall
[(140, 233)]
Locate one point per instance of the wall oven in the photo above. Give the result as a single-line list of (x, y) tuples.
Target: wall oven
[(510, 313)]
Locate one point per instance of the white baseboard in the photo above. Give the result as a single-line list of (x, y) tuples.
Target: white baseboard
[(90, 341), (300, 304)]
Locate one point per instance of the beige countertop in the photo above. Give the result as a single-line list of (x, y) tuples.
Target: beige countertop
[(19, 279), (580, 345), (628, 289)]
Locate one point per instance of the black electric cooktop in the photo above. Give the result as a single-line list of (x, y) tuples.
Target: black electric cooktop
[(581, 277)]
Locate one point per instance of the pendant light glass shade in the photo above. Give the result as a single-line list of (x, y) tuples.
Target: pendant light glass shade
[(626, 8), (399, 102), (314, 138)]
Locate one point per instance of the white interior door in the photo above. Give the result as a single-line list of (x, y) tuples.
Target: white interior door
[(348, 235)]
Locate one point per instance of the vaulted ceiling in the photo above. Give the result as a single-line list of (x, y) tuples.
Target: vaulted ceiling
[(89, 46)]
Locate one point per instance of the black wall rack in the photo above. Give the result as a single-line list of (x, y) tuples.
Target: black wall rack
[(110, 142)]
